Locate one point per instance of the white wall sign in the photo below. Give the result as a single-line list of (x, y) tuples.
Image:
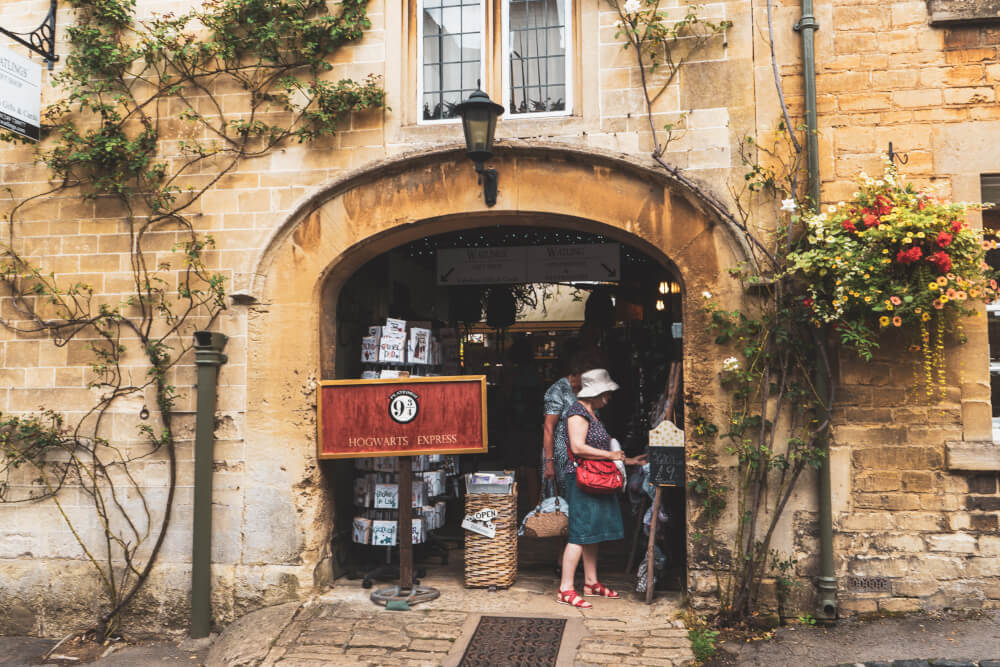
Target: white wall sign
[(20, 94), (529, 264)]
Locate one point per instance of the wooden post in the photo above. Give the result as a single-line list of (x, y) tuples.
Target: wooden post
[(404, 525), (650, 583)]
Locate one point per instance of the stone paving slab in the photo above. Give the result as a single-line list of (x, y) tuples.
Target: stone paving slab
[(343, 626)]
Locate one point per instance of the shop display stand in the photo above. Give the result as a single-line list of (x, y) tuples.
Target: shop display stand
[(376, 568), (407, 592)]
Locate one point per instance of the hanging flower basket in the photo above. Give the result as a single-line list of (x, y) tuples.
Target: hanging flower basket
[(894, 257)]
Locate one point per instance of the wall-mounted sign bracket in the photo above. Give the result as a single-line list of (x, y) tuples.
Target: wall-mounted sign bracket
[(41, 40)]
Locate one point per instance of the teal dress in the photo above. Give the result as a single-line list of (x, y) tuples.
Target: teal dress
[(593, 517)]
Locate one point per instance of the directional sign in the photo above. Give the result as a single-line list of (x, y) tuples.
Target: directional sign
[(568, 263), (20, 94), (480, 266), (598, 262)]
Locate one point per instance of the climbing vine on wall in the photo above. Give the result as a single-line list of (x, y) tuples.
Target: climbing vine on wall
[(774, 423), (152, 113)]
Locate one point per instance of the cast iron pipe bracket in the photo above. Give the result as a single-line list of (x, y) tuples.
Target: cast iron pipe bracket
[(806, 23)]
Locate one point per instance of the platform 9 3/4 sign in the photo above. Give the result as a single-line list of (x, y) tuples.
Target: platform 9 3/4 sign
[(402, 417)]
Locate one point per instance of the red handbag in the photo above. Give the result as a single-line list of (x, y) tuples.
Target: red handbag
[(598, 477)]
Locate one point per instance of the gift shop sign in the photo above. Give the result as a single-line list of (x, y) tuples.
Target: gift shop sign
[(20, 94), (402, 417)]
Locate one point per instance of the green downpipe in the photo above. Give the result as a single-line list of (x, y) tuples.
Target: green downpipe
[(208, 357), (826, 584)]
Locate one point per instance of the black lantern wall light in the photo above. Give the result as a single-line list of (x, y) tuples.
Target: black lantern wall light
[(479, 121)]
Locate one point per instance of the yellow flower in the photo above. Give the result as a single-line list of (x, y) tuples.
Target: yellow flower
[(932, 286), (838, 281), (888, 306), (868, 299), (918, 310), (867, 276), (883, 321), (925, 316), (944, 298), (920, 235), (885, 251)]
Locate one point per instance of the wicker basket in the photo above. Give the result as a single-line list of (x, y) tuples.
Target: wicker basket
[(492, 561)]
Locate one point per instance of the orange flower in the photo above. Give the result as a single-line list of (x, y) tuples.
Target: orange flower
[(897, 321), (938, 304)]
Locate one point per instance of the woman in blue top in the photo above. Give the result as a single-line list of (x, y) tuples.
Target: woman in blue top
[(592, 518), (558, 399)]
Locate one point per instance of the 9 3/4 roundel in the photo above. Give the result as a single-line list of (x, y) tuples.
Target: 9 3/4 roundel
[(403, 406)]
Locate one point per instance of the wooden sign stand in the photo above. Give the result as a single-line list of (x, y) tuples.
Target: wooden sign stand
[(674, 383)]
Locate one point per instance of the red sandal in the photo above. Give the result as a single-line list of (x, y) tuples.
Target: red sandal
[(571, 598), (600, 590)]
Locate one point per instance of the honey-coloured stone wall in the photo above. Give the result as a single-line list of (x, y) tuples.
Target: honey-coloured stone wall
[(915, 496)]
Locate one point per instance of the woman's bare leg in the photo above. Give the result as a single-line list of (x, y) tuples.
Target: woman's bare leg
[(590, 564), (570, 559)]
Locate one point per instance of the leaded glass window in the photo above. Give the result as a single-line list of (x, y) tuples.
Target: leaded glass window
[(451, 55), (537, 79)]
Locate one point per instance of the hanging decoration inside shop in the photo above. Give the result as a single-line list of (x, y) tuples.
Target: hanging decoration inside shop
[(501, 309)]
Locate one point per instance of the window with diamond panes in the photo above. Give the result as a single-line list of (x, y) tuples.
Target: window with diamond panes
[(990, 185), (451, 55), (537, 76)]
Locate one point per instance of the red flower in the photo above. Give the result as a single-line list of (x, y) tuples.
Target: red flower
[(941, 260), (849, 226), (921, 205), (870, 220), (807, 302), (956, 226), (909, 256), (944, 239), (884, 205)]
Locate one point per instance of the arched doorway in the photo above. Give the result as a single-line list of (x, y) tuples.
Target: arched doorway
[(342, 227)]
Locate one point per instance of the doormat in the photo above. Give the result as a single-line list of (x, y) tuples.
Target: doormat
[(505, 640)]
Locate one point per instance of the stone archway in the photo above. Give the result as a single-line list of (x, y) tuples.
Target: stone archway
[(340, 227)]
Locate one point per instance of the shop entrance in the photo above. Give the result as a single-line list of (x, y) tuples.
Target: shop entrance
[(520, 305)]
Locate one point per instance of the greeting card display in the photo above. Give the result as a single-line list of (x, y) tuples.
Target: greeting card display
[(392, 348), (386, 496), (383, 533), (369, 349), (362, 530)]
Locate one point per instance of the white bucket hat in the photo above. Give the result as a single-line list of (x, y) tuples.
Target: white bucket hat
[(595, 382)]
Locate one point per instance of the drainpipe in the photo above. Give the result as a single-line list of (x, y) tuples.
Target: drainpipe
[(826, 584), (208, 357)]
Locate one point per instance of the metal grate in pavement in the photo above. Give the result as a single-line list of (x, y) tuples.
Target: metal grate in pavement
[(509, 641)]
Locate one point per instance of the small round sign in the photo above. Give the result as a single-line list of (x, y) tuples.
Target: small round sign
[(403, 406)]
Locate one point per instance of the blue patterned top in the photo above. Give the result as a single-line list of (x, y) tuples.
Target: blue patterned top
[(597, 436), (558, 399)]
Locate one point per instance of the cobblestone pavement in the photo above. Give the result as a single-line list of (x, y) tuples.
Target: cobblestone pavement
[(344, 627)]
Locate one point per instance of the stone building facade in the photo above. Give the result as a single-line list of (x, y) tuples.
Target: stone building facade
[(915, 487)]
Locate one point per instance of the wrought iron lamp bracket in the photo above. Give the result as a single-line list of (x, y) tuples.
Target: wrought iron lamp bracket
[(41, 40), (489, 179)]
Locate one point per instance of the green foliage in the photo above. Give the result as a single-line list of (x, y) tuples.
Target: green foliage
[(141, 123), (703, 643), (662, 44)]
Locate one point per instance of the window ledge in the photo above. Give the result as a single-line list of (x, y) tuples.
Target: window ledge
[(950, 12), (973, 456)]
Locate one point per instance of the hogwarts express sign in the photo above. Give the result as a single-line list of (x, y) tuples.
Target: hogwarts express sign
[(404, 417)]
